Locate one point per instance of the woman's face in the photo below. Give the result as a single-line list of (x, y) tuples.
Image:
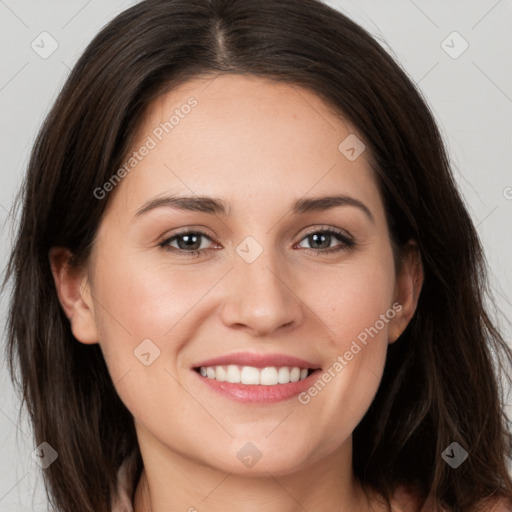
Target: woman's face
[(268, 280)]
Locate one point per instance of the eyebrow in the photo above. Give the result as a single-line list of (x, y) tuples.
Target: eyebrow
[(217, 206)]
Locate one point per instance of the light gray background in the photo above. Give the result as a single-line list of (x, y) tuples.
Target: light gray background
[(471, 97)]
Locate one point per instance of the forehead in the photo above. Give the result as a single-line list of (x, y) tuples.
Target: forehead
[(242, 137)]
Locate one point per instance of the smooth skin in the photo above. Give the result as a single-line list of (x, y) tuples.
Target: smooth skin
[(259, 146)]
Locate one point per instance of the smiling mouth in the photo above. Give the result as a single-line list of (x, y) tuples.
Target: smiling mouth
[(250, 375)]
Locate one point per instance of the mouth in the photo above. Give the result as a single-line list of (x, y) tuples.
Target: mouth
[(257, 386), (253, 376)]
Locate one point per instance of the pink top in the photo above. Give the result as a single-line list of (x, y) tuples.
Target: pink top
[(405, 499), (125, 482)]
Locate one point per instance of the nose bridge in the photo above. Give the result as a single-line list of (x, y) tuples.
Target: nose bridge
[(259, 296)]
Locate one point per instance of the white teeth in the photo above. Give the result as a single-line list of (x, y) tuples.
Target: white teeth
[(295, 374), (233, 374), (269, 376), (283, 375), (220, 374), (250, 375)]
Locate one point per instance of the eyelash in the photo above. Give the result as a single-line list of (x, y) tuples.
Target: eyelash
[(346, 245)]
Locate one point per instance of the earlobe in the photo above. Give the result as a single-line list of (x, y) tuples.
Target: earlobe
[(407, 290), (73, 291)]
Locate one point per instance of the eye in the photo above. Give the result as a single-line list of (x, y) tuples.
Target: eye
[(321, 241), (188, 243)]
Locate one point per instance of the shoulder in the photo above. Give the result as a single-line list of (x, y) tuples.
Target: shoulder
[(407, 498)]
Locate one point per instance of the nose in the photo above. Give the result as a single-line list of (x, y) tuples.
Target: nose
[(260, 297)]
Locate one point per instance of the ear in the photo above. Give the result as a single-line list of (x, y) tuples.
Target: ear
[(73, 290), (407, 289)]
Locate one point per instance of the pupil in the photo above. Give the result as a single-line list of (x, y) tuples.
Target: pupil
[(315, 238), (189, 240)]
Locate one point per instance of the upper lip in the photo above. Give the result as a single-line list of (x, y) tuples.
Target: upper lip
[(258, 360)]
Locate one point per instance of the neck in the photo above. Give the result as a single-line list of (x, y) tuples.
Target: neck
[(170, 481)]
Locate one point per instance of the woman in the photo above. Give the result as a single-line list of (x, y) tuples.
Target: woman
[(185, 344)]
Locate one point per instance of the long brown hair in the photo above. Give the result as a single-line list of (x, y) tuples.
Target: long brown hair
[(441, 382)]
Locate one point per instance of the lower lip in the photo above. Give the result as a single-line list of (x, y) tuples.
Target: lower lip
[(258, 393)]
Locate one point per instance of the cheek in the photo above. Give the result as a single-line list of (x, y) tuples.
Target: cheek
[(139, 308), (358, 309), (134, 307), (146, 314), (145, 300), (355, 296)]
